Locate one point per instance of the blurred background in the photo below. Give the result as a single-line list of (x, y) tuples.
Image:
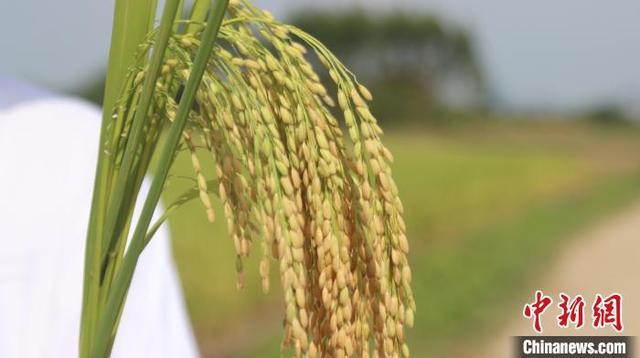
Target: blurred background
[(513, 124)]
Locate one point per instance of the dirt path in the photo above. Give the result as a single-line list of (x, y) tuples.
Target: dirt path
[(604, 260)]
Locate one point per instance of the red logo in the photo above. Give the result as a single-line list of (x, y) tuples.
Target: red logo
[(536, 309), (572, 311), (606, 311)]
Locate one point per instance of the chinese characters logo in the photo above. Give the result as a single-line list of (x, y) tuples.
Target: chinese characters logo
[(605, 311)]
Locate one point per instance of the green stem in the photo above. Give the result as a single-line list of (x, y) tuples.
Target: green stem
[(109, 319), (115, 215), (198, 14), (132, 21)]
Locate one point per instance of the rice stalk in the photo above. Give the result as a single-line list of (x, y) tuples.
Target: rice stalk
[(310, 184)]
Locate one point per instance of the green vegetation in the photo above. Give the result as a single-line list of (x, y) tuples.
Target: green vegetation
[(485, 204), (466, 284)]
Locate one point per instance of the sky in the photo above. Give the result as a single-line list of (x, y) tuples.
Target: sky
[(543, 54)]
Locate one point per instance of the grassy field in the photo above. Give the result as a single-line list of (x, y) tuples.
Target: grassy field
[(486, 203)]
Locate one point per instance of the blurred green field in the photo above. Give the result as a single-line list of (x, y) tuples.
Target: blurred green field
[(486, 203)]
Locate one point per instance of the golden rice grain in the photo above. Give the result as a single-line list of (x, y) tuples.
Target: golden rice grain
[(323, 204)]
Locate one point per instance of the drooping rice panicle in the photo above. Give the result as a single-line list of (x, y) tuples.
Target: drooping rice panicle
[(300, 170)]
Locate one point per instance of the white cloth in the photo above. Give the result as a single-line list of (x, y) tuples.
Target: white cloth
[(48, 151)]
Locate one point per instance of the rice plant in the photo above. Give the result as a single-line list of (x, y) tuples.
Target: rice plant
[(300, 171)]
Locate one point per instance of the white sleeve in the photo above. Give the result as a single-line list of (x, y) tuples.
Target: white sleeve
[(48, 154), (153, 322)]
